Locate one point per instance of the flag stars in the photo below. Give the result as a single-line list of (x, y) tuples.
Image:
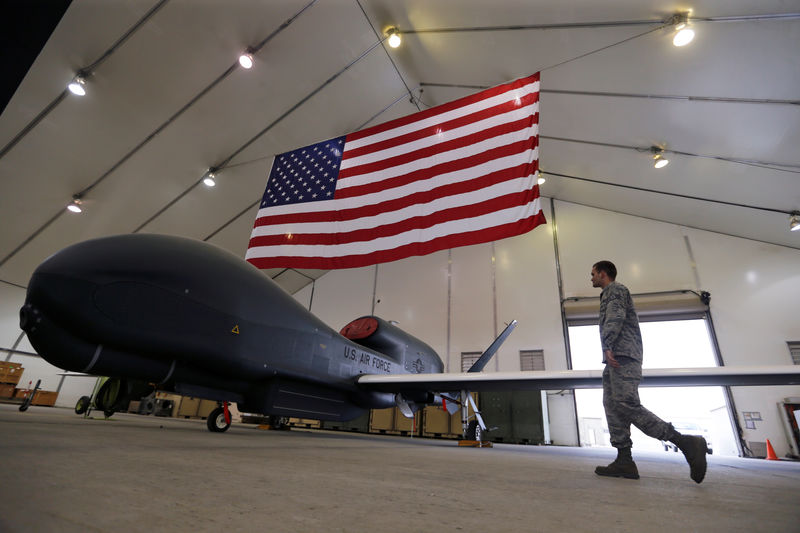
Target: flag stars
[(304, 175)]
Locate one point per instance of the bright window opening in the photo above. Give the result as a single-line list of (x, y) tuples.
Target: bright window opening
[(692, 410)]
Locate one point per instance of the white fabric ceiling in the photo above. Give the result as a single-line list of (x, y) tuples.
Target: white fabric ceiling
[(154, 119)]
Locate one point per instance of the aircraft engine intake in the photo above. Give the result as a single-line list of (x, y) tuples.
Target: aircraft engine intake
[(377, 334)]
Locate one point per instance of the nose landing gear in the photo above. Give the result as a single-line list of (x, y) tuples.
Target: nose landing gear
[(219, 420)]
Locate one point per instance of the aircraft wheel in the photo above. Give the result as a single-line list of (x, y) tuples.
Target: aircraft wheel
[(108, 413), (278, 422), (474, 431), (216, 421), (83, 405)]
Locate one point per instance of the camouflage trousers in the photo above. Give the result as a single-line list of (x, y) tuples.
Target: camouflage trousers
[(621, 402)]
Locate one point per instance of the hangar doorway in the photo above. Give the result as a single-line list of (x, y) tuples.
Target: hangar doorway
[(694, 410)]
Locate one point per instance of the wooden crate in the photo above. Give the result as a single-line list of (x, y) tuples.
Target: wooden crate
[(21, 393), (438, 423), (45, 397), (188, 407), (10, 372), (381, 420), (205, 408), (6, 390), (391, 422)]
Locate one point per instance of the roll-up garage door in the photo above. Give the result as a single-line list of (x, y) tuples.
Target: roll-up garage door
[(675, 305)]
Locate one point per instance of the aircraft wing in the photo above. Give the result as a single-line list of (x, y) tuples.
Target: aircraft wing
[(580, 379)]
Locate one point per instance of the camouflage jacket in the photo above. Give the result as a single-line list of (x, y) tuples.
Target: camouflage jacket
[(619, 325)]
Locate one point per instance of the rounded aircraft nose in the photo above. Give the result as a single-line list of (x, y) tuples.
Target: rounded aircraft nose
[(29, 317)]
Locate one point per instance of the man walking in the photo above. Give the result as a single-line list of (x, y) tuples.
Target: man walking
[(622, 353)]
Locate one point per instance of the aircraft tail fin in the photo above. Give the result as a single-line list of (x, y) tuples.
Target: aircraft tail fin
[(492, 349)]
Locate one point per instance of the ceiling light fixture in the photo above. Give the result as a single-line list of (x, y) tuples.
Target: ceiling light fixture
[(394, 37), (77, 86), (659, 161), (684, 34), (794, 221), (246, 59), (209, 179), (75, 204), (539, 178)]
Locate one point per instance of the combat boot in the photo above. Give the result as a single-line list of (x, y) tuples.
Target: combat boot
[(623, 466), (627, 470), (694, 448)]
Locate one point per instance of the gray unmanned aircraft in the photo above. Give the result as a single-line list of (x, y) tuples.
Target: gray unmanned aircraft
[(157, 311)]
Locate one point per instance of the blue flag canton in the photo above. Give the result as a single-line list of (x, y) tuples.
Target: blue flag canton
[(307, 174)]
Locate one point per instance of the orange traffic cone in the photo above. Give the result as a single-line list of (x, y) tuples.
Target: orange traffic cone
[(771, 452)]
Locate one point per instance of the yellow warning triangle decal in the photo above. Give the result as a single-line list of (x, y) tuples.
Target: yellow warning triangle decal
[(235, 329)]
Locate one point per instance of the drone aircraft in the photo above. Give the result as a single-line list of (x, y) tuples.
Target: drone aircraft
[(188, 317)]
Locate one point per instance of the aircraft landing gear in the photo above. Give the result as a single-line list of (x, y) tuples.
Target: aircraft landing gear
[(218, 420), (83, 405), (474, 431), (29, 398), (278, 422)]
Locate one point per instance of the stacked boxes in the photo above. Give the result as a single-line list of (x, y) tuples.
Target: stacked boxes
[(9, 377), (10, 374), (391, 422)]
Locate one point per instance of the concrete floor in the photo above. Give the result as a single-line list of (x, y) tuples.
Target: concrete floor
[(60, 472)]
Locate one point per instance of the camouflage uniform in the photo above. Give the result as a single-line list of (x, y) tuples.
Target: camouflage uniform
[(619, 332)]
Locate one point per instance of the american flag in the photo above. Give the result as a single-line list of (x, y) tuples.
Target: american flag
[(457, 174)]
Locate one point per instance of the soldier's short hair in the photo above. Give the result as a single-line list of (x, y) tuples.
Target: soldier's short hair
[(607, 267)]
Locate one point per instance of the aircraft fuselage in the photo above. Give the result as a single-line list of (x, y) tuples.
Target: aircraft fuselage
[(198, 320)]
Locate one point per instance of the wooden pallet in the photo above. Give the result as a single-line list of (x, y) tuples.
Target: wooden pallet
[(475, 443)]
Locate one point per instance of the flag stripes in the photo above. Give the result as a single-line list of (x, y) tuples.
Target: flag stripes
[(457, 174)]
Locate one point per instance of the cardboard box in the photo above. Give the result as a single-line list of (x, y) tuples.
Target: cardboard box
[(6, 390)]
